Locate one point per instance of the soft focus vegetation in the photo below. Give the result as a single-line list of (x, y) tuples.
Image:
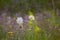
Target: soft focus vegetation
[(41, 20)]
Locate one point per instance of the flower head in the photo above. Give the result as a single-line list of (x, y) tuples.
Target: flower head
[(19, 20), (37, 29), (31, 17), (10, 33), (21, 26)]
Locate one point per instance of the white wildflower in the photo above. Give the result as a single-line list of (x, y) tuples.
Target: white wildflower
[(19, 20), (31, 17)]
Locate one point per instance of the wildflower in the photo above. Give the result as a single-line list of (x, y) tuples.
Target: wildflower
[(31, 17), (19, 20), (10, 33), (37, 29), (21, 26)]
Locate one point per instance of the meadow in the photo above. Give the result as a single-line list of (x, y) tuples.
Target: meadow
[(46, 26)]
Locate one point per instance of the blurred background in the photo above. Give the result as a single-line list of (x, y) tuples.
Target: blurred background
[(29, 19)]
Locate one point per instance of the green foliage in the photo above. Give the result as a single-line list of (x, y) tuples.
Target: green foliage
[(2, 32), (25, 5)]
